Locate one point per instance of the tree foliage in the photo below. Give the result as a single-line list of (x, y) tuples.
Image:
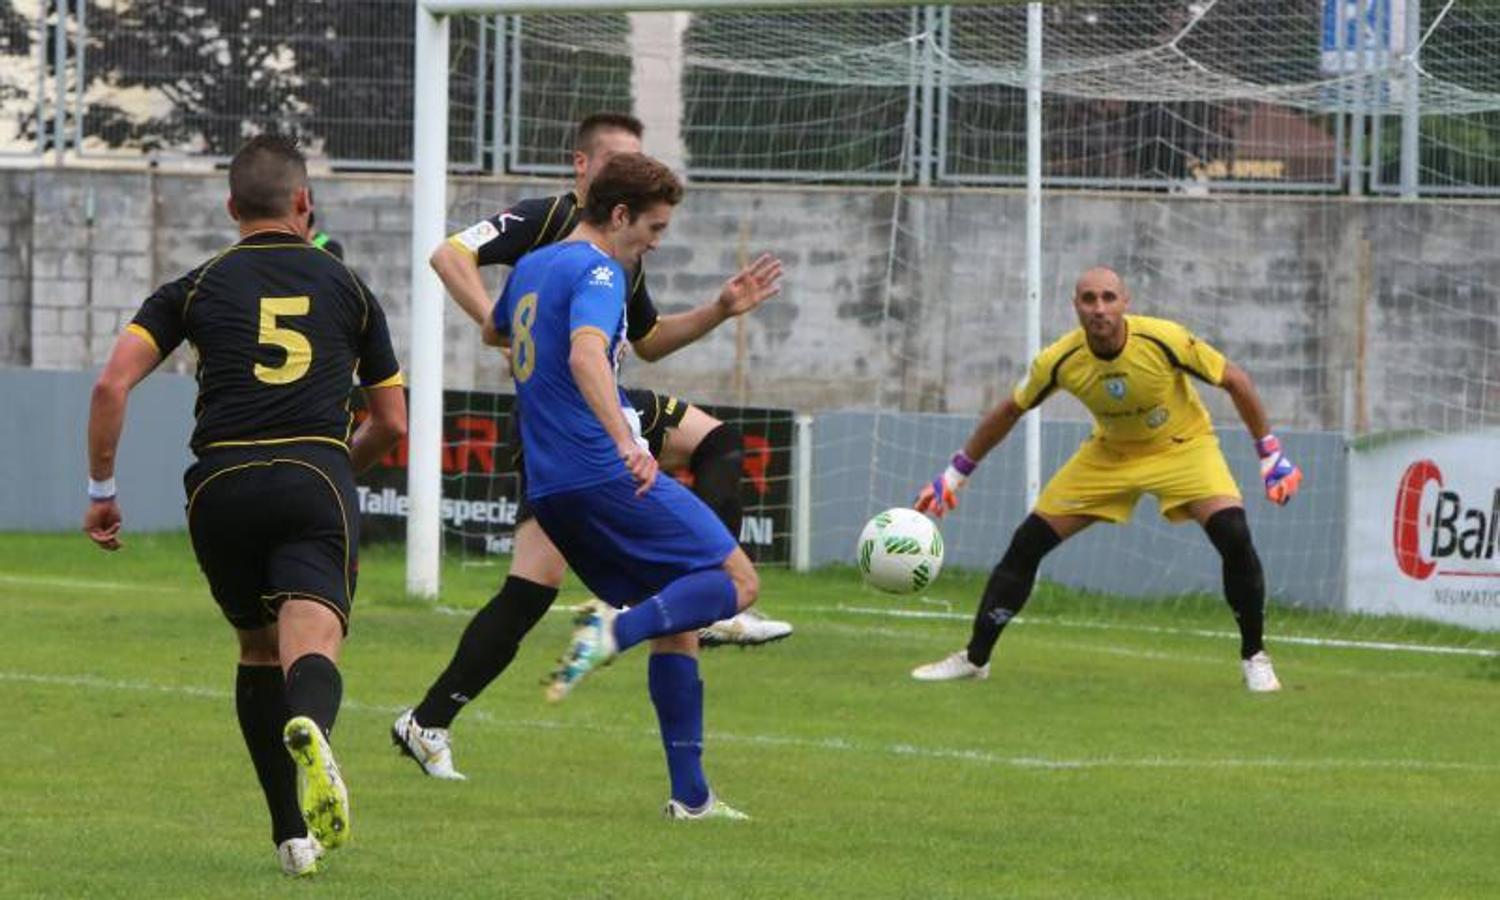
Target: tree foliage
[(337, 73)]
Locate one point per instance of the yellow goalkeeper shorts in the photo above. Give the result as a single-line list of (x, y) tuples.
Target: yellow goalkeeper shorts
[(1106, 484)]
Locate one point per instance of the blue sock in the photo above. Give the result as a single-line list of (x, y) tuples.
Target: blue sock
[(677, 695), (687, 604)]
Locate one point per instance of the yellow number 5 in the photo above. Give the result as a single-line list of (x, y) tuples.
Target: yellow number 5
[(298, 350), (523, 345)]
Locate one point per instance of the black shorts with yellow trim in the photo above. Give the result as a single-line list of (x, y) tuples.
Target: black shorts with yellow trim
[(275, 522), (659, 413)]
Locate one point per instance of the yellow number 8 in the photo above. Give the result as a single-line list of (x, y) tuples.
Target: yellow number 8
[(522, 344)]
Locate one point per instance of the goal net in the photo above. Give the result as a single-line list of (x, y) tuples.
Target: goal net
[(1306, 185)]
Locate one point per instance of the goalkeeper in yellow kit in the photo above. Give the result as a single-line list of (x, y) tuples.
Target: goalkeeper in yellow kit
[(1152, 435)]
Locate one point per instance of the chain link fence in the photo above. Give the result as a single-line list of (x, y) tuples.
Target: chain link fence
[(923, 94)]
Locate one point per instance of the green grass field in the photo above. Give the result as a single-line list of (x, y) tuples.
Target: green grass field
[(1112, 753)]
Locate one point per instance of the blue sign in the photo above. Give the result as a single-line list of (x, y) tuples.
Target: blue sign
[(1380, 31), (1377, 24)]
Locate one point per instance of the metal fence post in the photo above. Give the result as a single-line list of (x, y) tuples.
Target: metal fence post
[(497, 111), (60, 81), (515, 93), (1361, 95), (1411, 111), (80, 86), (929, 65), (944, 88)]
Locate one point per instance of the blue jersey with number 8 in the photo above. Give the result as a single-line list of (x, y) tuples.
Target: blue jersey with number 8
[(555, 293)]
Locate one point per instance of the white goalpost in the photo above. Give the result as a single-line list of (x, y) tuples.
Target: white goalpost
[(429, 220)]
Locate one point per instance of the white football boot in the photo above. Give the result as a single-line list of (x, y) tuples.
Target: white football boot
[(1260, 678), (951, 668), (713, 809), (432, 748), (299, 856), (593, 647), (746, 629)]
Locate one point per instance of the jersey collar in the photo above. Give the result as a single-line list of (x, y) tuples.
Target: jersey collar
[(272, 236)]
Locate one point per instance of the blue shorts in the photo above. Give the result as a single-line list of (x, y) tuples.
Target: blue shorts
[(627, 548)]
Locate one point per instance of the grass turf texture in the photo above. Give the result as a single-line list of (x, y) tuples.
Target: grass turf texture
[(1102, 758)]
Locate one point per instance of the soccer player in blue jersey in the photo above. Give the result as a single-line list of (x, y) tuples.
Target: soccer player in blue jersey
[(636, 540), (681, 436)]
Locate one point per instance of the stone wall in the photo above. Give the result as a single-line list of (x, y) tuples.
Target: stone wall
[(1378, 312)]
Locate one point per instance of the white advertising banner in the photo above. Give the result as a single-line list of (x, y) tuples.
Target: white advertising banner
[(1424, 529)]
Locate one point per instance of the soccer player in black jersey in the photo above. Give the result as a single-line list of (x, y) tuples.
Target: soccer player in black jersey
[(682, 436), (280, 327)]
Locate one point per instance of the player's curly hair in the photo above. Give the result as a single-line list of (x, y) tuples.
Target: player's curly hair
[(583, 138), (265, 175), (633, 180)]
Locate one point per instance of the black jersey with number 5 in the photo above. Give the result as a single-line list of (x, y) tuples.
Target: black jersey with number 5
[(282, 330)]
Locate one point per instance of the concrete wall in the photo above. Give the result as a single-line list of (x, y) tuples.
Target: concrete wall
[(1340, 309)]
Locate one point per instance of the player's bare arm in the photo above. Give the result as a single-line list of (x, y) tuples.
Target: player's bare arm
[(458, 269), (1281, 476), (589, 363), (1237, 384), (381, 429), (992, 429), (748, 289), (131, 360)]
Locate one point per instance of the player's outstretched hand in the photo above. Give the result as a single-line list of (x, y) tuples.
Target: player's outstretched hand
[(102, 524), (642, 466), (754, 285), (1281, 476), (936, 498), (941, 494)]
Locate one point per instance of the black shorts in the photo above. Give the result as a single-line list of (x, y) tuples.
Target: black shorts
[(274, 523), (658, 413)]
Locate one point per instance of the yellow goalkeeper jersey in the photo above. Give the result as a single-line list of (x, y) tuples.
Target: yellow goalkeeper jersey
[(1141, 399)]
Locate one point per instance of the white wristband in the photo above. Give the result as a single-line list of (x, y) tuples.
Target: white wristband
[(102, 490)]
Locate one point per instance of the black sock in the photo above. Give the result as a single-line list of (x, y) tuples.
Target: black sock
[(1010, 584), (717, 465), (314, 689), (1244, 580), (260, 701), (487, 646)]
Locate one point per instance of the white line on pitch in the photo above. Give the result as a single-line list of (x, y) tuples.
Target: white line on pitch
[(837, 745), (1343, 643), (82, 583)]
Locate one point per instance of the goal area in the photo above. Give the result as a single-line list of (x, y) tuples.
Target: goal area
[(1309, 186)]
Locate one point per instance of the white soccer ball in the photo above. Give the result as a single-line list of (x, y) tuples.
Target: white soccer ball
[(900, 551)]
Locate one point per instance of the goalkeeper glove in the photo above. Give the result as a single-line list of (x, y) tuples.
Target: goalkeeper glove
[(942, 494), (1282, 478)]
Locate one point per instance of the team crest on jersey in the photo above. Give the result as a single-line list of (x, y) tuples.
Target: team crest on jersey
[(603, 276), (1115, 387)]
